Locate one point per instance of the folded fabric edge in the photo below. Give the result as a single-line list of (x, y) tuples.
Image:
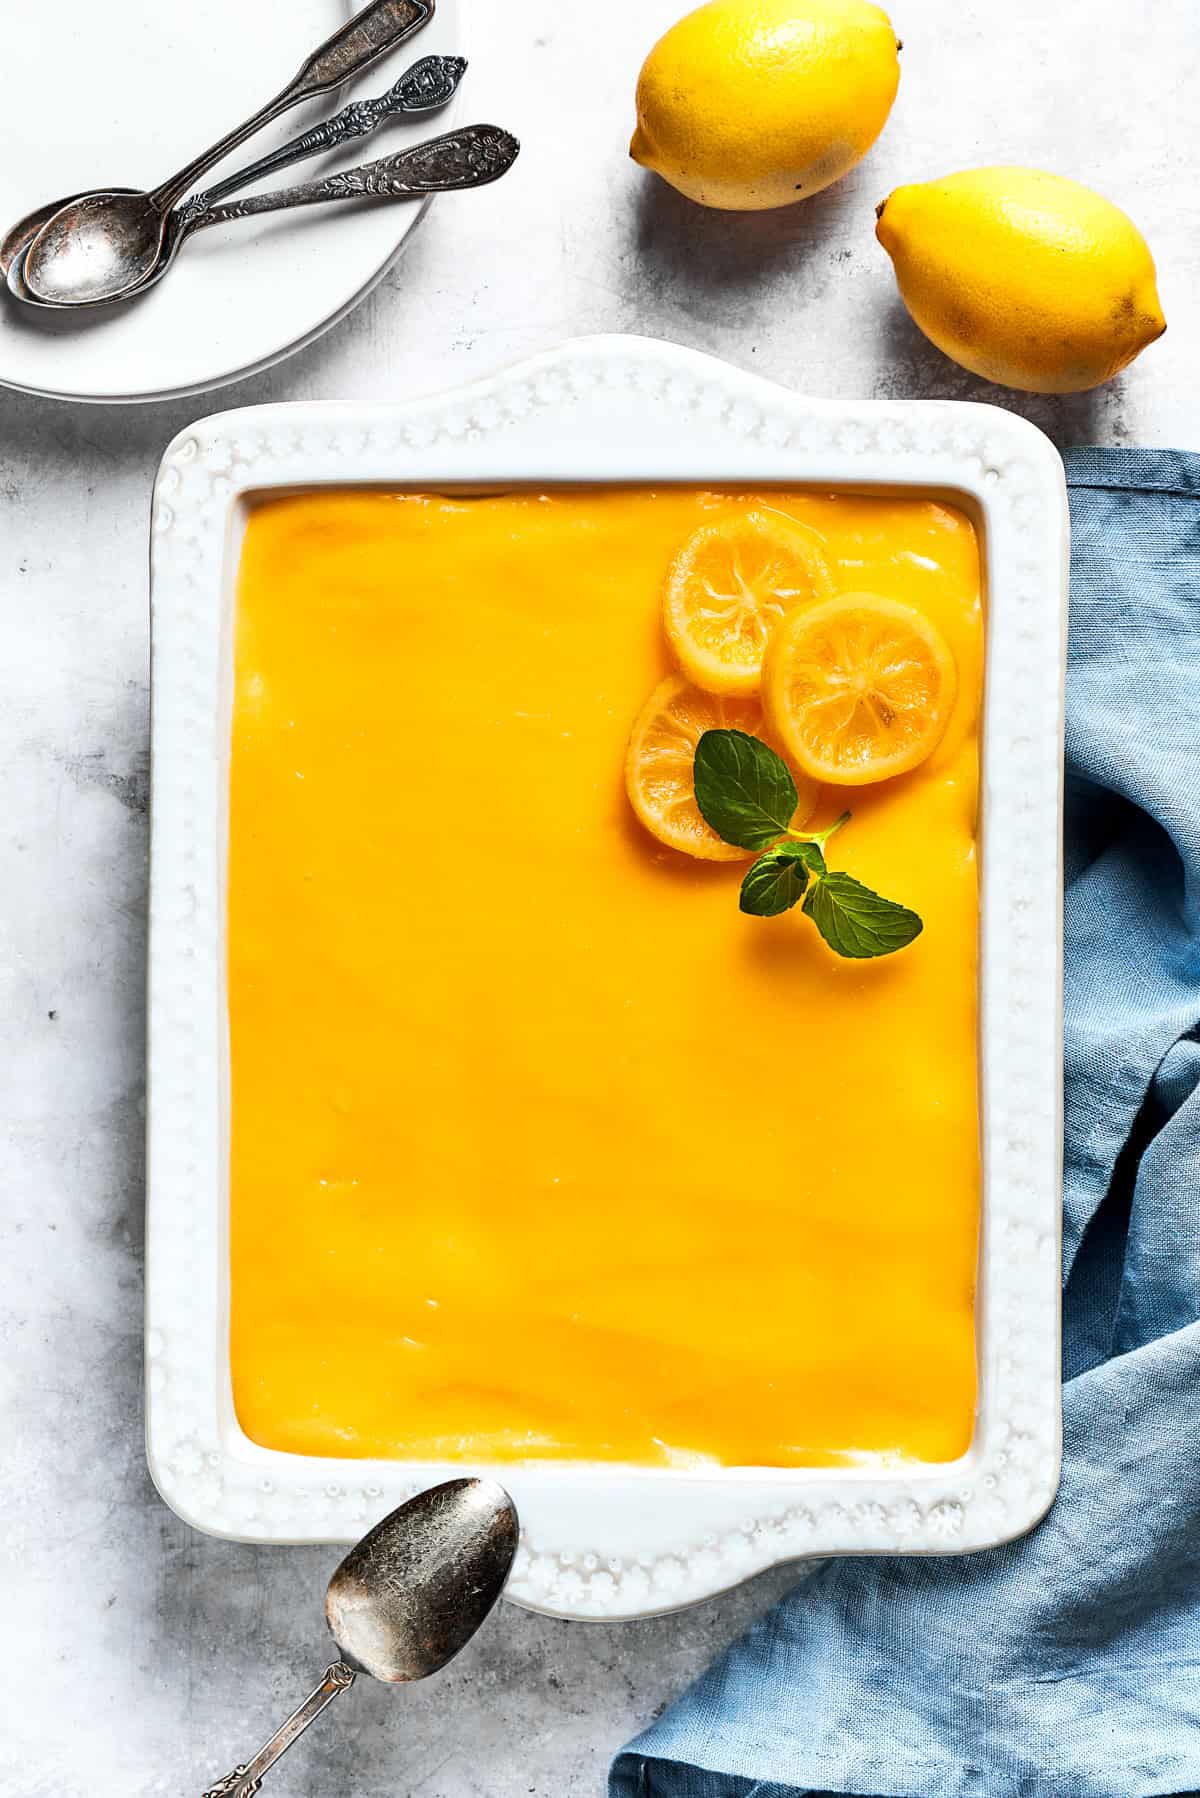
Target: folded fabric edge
[(1149, 470)]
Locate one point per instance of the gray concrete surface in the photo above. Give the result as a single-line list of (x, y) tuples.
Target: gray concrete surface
[(141, 1658)]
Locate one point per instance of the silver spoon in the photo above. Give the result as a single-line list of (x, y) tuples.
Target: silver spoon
[(404, 1601), (429, 84), (472, 156), (425, 87), (105, 242)]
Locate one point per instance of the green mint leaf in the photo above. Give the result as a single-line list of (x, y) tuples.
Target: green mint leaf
[(856, 922), (776, 881), (743, 789)]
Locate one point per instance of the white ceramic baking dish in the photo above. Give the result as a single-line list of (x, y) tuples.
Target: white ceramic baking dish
[(603, 1541)]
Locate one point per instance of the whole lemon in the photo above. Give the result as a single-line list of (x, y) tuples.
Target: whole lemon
[(746, 104), (1025, 278)]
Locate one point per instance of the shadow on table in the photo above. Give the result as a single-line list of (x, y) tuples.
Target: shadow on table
[(680, 242)]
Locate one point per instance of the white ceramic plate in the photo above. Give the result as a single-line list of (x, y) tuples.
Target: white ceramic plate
[(127, 91), (604, 1541)]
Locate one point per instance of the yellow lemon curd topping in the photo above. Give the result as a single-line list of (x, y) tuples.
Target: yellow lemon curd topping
[(540, 1147)]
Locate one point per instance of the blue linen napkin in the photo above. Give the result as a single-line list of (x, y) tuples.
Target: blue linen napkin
[(1066, 1665)]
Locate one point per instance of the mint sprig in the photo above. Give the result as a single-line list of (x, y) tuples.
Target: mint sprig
[(746, 793)]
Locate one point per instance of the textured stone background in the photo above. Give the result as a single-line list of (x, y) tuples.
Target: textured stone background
[(143, 1659)]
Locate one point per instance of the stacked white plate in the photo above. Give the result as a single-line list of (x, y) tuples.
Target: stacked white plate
[(127, 93)]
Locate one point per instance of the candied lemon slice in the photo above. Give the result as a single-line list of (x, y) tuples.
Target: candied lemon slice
[(858, 688), (658, 765), (728, 588)]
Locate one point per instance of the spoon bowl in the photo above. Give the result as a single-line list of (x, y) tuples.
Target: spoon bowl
[(17, 239), (417, 1587), (96, 248), (13, 260)]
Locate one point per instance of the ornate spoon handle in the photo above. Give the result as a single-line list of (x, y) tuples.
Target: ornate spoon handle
[(429, 84), (470, 157), (245, 1780), (370, 34)]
